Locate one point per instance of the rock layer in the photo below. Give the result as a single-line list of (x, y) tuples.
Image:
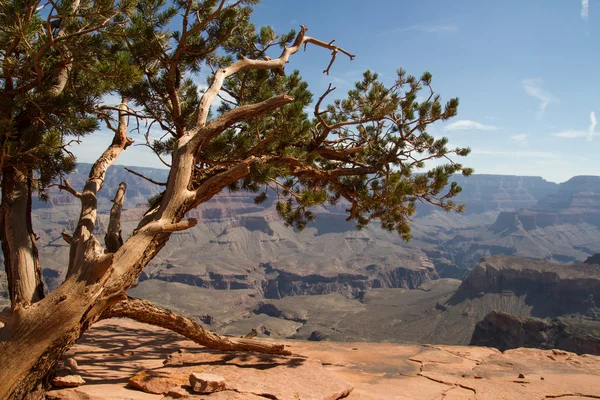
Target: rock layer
[(504, 332)]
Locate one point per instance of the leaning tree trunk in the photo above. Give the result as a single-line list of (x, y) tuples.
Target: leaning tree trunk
[(146, 312), (18, 240)]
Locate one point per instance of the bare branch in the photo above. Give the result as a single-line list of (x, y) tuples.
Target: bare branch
[(236, 115), (172, 227), (89, 202), (145, 177), (216, 183), (67, 238), (66, 186), (276, 65), (113, 238), (146, 312)]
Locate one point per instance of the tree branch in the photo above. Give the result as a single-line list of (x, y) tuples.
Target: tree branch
[(276, 65), (216, 183), (146, 312), (113, 239), (242, 113), (161, 227), (67, 238), (89, 202), (66, 186), (145, 177)]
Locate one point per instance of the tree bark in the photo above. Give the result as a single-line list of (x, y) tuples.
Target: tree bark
[(18, 240), (36, 336), (146, 312)]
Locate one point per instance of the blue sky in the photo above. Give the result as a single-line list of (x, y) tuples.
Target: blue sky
[(526, 72)]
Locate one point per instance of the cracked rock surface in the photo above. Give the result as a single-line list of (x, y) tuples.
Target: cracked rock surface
[(115, 350)]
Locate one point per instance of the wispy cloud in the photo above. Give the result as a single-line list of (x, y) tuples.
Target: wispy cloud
[(592, 127), (574, 134), (520, 139), (535, 88), (570, 134), (439, 28), (466, 124), (585, 9)]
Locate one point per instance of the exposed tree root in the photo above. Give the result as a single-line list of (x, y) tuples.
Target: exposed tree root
[(146, 312)]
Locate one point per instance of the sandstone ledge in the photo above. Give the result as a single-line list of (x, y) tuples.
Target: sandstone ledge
[(115, 350)]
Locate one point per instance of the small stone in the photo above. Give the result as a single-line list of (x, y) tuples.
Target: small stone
[(541, 378), (179, 392), (521, 376), (156, 382), (206, 383), (67, 381), (71, 365)]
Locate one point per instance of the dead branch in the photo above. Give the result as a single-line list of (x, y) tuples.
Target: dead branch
[(214, 184), (276, 65), (145, 177), (236, 115), (146, 312), (89, 202), (172, 227), (66, 186), (67, 238), (113, 239)]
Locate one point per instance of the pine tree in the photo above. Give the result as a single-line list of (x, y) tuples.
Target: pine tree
[(56, 64), (363, 149)]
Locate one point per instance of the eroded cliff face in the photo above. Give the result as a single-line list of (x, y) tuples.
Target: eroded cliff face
[(554, 288), (563, 226), (504, 331), (275, 283), (350, 285)]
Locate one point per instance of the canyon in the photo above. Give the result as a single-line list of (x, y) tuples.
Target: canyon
[(241, 268)]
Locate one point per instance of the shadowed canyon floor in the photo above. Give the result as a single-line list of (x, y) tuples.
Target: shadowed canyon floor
[(116, 350)]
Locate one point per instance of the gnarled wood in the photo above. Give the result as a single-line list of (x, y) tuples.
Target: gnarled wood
[(146, 312), (18, 240), (113, 238)]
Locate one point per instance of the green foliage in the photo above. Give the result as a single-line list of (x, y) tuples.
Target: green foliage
[(40, 112), (363, 149), (367, 149)]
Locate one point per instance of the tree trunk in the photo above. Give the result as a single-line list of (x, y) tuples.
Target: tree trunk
[(146, 312), (37, 336), (18, 240)]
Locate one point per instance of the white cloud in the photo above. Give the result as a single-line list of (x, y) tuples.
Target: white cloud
[(573, 133), (592, 127), (535, 88), (570, 134), (585, 9), (466, 124), (520, 139)]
